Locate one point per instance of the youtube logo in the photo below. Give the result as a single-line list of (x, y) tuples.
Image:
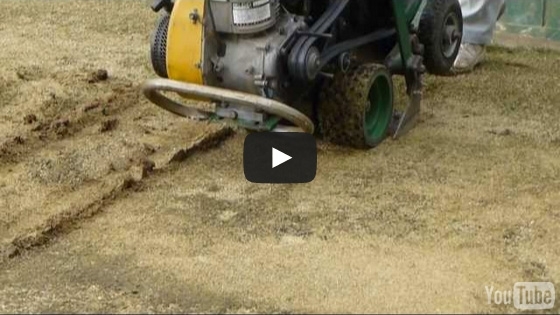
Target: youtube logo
[(280, 158)]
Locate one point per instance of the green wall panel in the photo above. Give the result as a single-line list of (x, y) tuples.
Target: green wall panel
[(537, 18), (553, 14), (524, 12)]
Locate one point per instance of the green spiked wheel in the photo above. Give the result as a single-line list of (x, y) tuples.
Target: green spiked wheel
[(356, 108)]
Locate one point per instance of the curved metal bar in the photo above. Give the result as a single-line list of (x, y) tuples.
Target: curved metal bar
[(152, 90)]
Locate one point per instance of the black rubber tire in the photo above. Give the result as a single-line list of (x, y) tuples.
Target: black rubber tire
[(431, 35), (344, 102), (158, 49)]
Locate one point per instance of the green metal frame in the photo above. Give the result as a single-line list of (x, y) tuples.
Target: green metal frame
[(408, 64), (403, 34)]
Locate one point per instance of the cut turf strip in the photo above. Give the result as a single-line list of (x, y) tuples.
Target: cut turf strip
[(90, 198)]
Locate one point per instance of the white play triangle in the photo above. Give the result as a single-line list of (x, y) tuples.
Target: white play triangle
[(279, 158)]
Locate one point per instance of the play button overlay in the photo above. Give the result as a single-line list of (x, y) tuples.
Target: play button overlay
[(280, 158)]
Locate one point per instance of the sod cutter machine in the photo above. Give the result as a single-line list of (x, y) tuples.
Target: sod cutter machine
[(321, 66)]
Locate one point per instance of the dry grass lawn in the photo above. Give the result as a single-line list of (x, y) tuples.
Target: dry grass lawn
[(470, 198)]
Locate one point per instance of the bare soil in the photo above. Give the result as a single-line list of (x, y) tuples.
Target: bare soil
[(109, 204)]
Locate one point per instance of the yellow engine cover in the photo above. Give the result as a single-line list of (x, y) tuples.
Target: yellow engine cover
[(185, 41)]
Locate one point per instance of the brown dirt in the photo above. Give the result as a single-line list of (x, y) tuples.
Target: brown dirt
[(154, 215)]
